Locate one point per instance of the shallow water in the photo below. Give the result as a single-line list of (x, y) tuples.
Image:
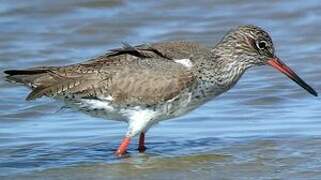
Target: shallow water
[(266, 127)]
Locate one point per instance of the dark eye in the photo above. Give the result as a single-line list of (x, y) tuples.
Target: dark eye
[(261, 44)]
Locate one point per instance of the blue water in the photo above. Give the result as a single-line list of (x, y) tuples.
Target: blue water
[(266, 126)]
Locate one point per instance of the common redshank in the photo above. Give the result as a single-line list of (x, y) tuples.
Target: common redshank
[(145, 84)]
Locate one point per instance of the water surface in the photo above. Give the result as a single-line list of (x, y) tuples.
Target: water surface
[(266, 127)]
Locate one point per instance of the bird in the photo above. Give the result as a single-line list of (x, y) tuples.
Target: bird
[(151, 82)]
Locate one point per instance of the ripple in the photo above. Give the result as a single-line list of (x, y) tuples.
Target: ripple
[(266, 126)]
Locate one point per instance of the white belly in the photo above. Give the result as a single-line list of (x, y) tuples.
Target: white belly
[(108, 110), (104, 107)]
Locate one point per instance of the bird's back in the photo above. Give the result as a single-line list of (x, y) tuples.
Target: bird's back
[(144, 74)]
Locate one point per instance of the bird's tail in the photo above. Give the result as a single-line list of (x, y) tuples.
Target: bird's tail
[(29, 77), (35, 78), (48, 81)]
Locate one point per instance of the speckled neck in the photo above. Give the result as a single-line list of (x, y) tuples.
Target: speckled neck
[(221, 70)]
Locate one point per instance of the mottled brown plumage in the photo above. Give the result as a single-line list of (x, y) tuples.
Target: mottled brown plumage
[(132, 75), (151, 82)]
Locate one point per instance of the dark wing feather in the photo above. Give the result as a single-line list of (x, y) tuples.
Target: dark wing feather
[(66, 87), (116, 72), (141, 51)]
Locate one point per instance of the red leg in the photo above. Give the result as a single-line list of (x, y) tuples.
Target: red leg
[(123, 147), (141, 145)]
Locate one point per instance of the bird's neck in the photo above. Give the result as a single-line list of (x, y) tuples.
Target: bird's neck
[(229, 73), (223, 70)]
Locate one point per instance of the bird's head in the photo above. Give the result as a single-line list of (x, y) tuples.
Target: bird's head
[(251, 45)]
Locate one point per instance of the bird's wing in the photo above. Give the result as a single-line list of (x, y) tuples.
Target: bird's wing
[(163, 51), (129, 74), (150, 82), (137, 83)]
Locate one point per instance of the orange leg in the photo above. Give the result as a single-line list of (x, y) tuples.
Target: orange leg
[(141, 145), (123, 147)]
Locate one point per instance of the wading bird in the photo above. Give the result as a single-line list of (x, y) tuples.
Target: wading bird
[(145, 84)]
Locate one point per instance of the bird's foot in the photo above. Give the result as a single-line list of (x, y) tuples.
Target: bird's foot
[(141, 144), (123, 147), (142, 149)]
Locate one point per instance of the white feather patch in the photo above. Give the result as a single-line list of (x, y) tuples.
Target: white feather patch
[(185, 62), (97, 104), (108, 98), (139, 119)]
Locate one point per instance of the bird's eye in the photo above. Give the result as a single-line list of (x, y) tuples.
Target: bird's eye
[(261, 44)]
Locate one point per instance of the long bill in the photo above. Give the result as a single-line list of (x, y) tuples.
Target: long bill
[(279, 65)]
